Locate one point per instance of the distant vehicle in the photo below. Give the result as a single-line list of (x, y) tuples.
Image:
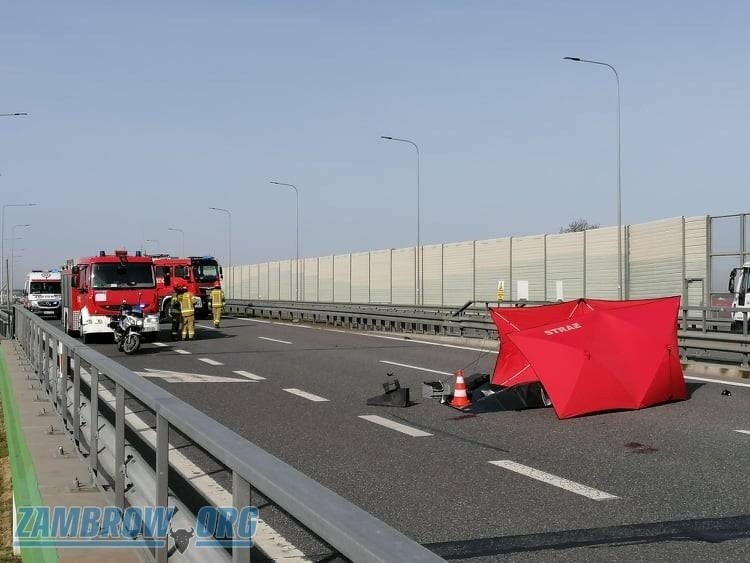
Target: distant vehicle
[(198, 273), (739, 287), (95, 287), (42, 293)]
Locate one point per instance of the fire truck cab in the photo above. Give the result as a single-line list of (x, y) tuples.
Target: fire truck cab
[(95, 287), (198, 273)]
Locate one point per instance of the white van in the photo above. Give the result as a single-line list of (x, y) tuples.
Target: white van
[(42, 293)]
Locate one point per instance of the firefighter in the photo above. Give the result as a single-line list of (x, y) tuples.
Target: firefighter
[(217, 303), (188, 312), (176, 315)]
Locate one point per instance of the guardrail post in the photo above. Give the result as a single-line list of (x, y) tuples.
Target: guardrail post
[(63, 385), (162, 474), (53, 374), (76, 399), (43, 359), (744, 323), (119, 446), (94, 421), (240, 499)]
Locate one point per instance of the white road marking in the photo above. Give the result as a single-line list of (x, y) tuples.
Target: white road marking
[(416, 367), (249, 375), (393, 425), (291, 324), (554, 480), (268, 540), (181, 351), (306, 395), (254, 320), (721, 381), (160, 344), (743, 431), (275, 340), (210, 362), (403, 339), (206, 326), (181, 377)]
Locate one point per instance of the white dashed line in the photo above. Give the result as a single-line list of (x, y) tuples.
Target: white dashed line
[(306, 395), (416, 367), (743, 431), (210, 362), (181, 351), (554, 480), (291, 324), (393, 425), (254, 320), (275, 340), (207, 327), (720, 381), (160, 344), (249, 375)]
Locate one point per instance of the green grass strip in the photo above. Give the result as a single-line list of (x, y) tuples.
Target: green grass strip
[(25, 485)]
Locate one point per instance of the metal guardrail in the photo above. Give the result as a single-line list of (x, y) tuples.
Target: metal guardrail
[(701, 335), (348, 529)]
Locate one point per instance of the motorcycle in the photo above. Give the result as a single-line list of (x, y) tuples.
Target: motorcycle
[(127, 327)]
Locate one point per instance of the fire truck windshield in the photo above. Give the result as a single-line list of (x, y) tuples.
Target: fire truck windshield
[(206, 272), (122, 275), (44, 287)]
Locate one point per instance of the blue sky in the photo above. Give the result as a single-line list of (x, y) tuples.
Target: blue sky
[(144, 114)]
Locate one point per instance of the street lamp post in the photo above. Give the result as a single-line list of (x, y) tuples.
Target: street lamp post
[(147, 241), (296, 191), (231, 273), (2, 242), (619, 170), (13, 239), (418, 285), (182, 233)]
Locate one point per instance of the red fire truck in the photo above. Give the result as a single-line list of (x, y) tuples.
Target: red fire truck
[(93, 288), (198, 273)]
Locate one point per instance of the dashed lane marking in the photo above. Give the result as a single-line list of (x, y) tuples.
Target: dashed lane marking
[(160, 344), (275, 340), (253, 320), (306, 395), (393, 425), (181, 351), (416, 367), (207, 327), (249, 375), (554, 480), (743, 431), (210, 362)]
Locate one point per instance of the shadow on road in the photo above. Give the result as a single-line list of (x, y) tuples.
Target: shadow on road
[(708, 530)]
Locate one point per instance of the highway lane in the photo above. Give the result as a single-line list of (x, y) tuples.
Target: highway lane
[(441, 488)]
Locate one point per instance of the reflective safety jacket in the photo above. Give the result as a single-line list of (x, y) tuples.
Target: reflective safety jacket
[(217, 297), (186, 303)]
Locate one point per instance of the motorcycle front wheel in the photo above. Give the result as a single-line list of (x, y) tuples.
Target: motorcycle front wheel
[(131, 342)]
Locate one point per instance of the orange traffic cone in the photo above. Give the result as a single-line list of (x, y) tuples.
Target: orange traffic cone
[(460, 399)]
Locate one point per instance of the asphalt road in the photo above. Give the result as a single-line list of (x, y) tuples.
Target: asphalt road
[(671, 481)]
